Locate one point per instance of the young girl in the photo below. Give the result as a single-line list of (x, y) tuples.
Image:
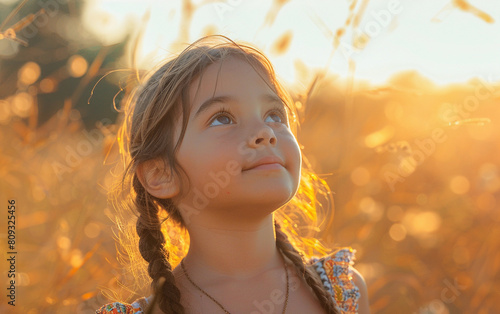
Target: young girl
[(215, 166)]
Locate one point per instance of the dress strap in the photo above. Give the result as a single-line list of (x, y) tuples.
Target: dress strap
[(335, 272), (140, 305)]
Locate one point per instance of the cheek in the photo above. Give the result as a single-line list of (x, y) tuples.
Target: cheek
[(297, 155), (298, 162), (200, 158), (293, 152)]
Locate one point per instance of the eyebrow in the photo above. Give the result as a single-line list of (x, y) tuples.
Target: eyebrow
[(269, 98)]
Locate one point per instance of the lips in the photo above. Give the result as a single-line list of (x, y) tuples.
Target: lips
[(267, 162)]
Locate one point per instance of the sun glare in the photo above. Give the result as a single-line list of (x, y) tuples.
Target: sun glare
[(438, 40)]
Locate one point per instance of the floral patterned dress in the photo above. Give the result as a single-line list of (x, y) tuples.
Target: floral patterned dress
[(334, 270)]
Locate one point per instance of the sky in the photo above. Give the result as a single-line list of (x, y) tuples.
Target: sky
[(438, 39)]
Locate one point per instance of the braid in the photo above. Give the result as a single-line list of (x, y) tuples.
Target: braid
[(324, 297), (151, 247)]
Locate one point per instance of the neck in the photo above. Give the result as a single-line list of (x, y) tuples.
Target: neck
[(222, 253)]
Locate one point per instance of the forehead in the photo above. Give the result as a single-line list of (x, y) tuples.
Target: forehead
[(231, 76)]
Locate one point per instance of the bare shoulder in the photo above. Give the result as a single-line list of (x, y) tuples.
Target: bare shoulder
[(359, 281)]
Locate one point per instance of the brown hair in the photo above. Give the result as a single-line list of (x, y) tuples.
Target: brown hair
[(147, 133)]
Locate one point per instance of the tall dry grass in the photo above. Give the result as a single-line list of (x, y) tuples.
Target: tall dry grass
[(414, 168)]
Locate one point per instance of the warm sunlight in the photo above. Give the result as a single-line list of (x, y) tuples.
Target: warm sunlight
[(398, 122), (437, 38)]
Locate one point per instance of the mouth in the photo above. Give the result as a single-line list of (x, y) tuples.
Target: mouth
[(271, 166), (267, 163)]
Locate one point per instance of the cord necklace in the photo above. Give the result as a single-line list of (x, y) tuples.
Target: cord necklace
[(220, 305)]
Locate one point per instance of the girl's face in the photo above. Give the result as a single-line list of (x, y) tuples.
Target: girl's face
[(236, 124)]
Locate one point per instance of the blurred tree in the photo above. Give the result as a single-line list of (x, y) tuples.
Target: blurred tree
[(46, 52)]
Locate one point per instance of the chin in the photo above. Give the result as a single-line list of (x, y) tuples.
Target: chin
[(275, 196), (260, 196)]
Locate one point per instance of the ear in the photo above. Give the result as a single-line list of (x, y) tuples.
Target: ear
[(157, 180)]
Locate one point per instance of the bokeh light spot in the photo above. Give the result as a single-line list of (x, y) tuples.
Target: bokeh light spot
[(50, 300), (47, 85), (63, 243), (371, 208), (421, 223), (29, 73), (459, 185), (69, 301), (77, 66), (92, 230), (76, 258), (21, 104), (397, 232)]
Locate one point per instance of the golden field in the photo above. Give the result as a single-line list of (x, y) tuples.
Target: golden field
[(414, 168)]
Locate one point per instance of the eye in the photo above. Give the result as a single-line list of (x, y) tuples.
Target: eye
[(222, 117), (274, 117), (277, 115)]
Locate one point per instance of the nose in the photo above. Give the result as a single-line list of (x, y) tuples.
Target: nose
[(265, 136)]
